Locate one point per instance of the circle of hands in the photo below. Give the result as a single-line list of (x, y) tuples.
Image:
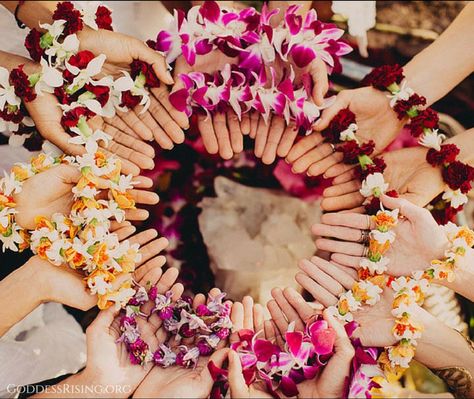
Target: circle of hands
[(339, 234)]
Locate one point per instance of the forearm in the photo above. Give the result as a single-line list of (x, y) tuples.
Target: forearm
[(464, 276), (20, 296), (441, 347), (465, 142), (11, 61), (32, 13), (446, 62)]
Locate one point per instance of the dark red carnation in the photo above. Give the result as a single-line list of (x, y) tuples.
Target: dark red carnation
[(15, 117), (352, 150), (138, 66), (62, 96), (32, 44), (66, 11), (71, 118), (384, 76), (443, 212), (427, 118), (458, 175), (403, 106), (378, 166), (373, 206), (129, 100), (103, 18), (392, 193), (20, 82), (446, 154), (101, 93), (81, 59), (337, 125)]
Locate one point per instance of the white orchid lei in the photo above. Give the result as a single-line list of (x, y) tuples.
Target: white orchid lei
[(82, 239)]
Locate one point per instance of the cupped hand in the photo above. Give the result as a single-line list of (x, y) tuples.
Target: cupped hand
[(419, 239), (325, 281), (375, 120), (407, 172), (288, 306), (50, 192), (64, 285)]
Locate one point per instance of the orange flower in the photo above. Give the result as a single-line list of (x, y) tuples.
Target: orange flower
[(343, 307), (377, 248), (74, 259), (21, 174), (45, 244), (467, 234), (100, 256), (26, 240), (384, 221), (42, 221), (127, 261), (124, 200), (403, 298)]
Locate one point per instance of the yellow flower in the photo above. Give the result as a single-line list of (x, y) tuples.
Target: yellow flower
[(74, 258), (384, 221), (42, 221), (26, 240), (124, 200), (21, 174), (467, 234)]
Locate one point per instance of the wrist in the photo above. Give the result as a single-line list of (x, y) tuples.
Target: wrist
[(464, 276), (465, 142), (11, 61)]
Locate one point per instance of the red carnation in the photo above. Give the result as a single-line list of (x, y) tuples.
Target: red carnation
[(443, 212), (351, 150), (373, 206), (15, 117), (62, 96), (81, 59), (20, 82), (32, 44), (384, 76), (392, 193), (138, 66), (129, 100), (73, 18), (427, 118), (378, 166), (71, 118), (446, 154), (101, 93), (403, 106), (103, 18), (458, 175), (337, 125)]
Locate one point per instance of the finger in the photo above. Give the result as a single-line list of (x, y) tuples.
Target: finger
[(144, 197), (199, 299), (318, 292), (326, 281), (114, 225), (142, 182), (129, 141), (304, 310), (347, 260), (152, 274), (69, 174), (303, 146), (223, 135), (319, 75), (161, 116), (278, 316), (124, 232), (270, 332), (346, 201), (247, 302), (411, 211), (206, 129), (287, 141), (254, 121), (337, 170), (162, 95), (337, 190), (120, 125), (341, 247), (245, 124), (143, 237), (236, 136), (290, 314), (152, 249), (156, 60), (237, 318), (136, 214), (167, 280), (128, 155), (352, 273), (137, 125), (342, 101), (303, 163), (345, 177), (213, 293), (335, 272), (102, 322), (263, 128), (319, 167), (354, 220), (279, 338), (258, 317), (238, 387), (339, 232), (55, 133), (142, 271), (218, 358), (277, 128)]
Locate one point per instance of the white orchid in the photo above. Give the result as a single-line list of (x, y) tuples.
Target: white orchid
[(62, 51), (403, 94), (124, 183), (7, 91), (12, 240), (375, 267), (349, 133), (432, 139), (55, 29), (56, 250), (121, 297), (116, 212), (383, 236), (373, 291), (84, 76), (48, 79), (374, 185), (9, 185), (7, 126), (126, 83), (5, 216), (98, 285), (88, 10), (456, 197), (90, 141)]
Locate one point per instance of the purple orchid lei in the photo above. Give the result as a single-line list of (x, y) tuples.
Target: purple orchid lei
[(209, 324), (248, 38)]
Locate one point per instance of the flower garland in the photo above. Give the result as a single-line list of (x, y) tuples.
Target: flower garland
[(82, 239), (423, 124), (249, 39), (209, 324)]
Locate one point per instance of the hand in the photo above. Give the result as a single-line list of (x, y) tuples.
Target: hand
[(374, 117), (325, 281), (272, 138), (134, 153), (418, 241), (180, 382), (289, 306), (64, 285), (50, 192), (407, 172)]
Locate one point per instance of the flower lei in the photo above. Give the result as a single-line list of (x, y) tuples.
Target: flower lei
[(248, 37), (423, 124), (209, 324), (82, 239)]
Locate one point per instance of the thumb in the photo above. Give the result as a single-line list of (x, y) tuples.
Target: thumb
[(342, 101), (237, 385), (218, 359), (156, 60), (411, 211), (69, 174), (55, 133), (319, 76), (102, 322)]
